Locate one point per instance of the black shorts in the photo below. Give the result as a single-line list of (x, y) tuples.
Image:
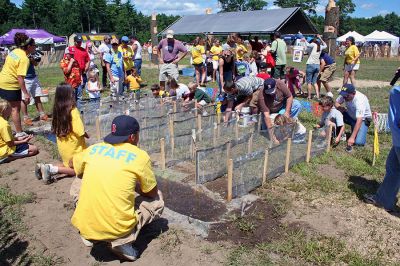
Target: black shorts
[(11, 95), (198, 66)]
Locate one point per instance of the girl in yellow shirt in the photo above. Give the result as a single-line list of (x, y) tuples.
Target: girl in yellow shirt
[(12, 148), (351, 61), (68, 127), (240, 48), (198, 56)]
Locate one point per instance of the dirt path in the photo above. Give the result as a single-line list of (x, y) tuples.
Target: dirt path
[(337, 83), (51, 233)]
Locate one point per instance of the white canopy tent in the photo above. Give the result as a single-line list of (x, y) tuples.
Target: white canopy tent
[(357, 36), (383, 36)]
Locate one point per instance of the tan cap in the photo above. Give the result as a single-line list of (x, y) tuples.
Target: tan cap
[(170, 34)]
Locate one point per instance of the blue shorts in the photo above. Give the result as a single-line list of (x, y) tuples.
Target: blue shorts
[(312, 71), (20, 151)]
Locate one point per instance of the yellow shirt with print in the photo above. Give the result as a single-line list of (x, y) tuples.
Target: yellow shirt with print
[(197, 54), (351, 53), (240, 51), (127, 55), (74, 142), (16, 64), (134, 82), (216, 51), (5, 136), (106, 206)]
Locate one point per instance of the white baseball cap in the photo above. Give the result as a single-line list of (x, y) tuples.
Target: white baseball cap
[(170, 34)]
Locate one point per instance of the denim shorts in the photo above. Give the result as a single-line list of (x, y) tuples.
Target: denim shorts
[(312, 71)]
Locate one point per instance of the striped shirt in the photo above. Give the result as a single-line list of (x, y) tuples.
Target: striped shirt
[(246, 86)]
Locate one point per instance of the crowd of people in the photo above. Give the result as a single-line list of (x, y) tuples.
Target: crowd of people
[(107, 175)]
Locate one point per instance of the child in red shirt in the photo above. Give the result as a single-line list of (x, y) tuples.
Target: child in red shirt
[(263, 71), (70, 68), (293, 76)]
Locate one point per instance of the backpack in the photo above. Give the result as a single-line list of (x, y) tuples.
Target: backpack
[(269, 59)]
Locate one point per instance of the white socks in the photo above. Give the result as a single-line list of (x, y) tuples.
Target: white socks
[(53, 169)]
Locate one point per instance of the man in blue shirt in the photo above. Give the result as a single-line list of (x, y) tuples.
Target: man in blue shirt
[(327, 69), (386, 195), (115, 68)]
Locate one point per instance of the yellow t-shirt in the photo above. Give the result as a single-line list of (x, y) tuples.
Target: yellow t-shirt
[(197, 54), (74, 142), (16, 64), (163, 94), (5, 136), (216, 51), (351, 53), (240, 51), (106, 206), (134, 82), (127, 55)]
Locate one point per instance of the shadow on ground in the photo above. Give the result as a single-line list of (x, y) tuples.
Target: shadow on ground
[(101, 251), (361, 185)]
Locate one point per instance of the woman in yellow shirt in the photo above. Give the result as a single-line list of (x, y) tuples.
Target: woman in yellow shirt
[(12, 78), (215, 52), (351, 61), (198, 56), (240, 48), (68, 127)]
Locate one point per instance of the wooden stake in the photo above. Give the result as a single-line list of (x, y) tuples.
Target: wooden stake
[(265, 168), (288, 149), (230, 179), (171, 132), (215, 134), (329, 139), (218, 131), (250, 144), (228, 152), (196, 165), (259, 122), (98, 133), (308, 155), (219, 118), (199, 126), (195, 107), (174, 107), (162, 146)]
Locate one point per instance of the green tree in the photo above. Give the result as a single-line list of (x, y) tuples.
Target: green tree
[(9, 16), (307, 6), (242, 5)]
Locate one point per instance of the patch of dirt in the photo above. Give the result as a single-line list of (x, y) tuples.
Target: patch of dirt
[(186, 200), (332, 172), (219, 186), (361, 83), (261, 223)]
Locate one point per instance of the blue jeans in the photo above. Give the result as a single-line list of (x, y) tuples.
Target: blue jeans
[(79, 92), (138, 66), (387, 192), (312, 71), (361, 137)]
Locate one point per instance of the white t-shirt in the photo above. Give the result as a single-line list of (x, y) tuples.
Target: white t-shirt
[(253, 69), (90, 85), (150, 49), (334, 115), (104, 48), (313, 58), (183, 89), (358, 107), (138, 53)]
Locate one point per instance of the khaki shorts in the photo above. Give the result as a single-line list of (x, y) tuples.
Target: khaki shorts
[(168, 70), (254, 99), (33, 87), (327, 73)]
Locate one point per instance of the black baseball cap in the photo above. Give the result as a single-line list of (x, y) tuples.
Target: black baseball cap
[(78, 38), (121, 128), (269, 86), (263, 65), (347, 89)]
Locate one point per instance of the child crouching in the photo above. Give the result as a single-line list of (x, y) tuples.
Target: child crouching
[(331, 116), (68, 128), (12, 148)]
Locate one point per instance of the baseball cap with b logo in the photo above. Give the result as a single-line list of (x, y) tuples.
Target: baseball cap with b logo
[(121, 128)]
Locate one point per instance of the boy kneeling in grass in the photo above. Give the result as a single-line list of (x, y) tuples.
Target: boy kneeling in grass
[(331, 116), (12, 148), (199, 95)]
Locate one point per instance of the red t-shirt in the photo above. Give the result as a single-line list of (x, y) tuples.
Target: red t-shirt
[(264, 76), (81, 56)]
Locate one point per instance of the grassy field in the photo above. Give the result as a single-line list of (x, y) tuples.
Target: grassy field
[(306, 185)]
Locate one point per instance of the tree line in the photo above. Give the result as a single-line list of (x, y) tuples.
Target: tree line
[(63, 17)]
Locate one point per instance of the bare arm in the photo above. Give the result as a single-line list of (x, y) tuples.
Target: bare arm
[(357, 127), (270, 127), (289, 103), (153, 194), (221, 72), (110, 76), (228, 111), (181, 55)]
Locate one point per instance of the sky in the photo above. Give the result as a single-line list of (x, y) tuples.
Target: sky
[(364, 8)]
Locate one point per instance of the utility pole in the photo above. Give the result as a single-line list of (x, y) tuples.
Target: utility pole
[(331, 26), (154, 39)]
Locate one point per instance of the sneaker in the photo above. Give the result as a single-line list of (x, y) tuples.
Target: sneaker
[(87, 242), (329, 94), (28, 121), (46, 176), (371, 199), (21, 134), (38, 171), (126, 251), (44, 117), (349, 149)]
